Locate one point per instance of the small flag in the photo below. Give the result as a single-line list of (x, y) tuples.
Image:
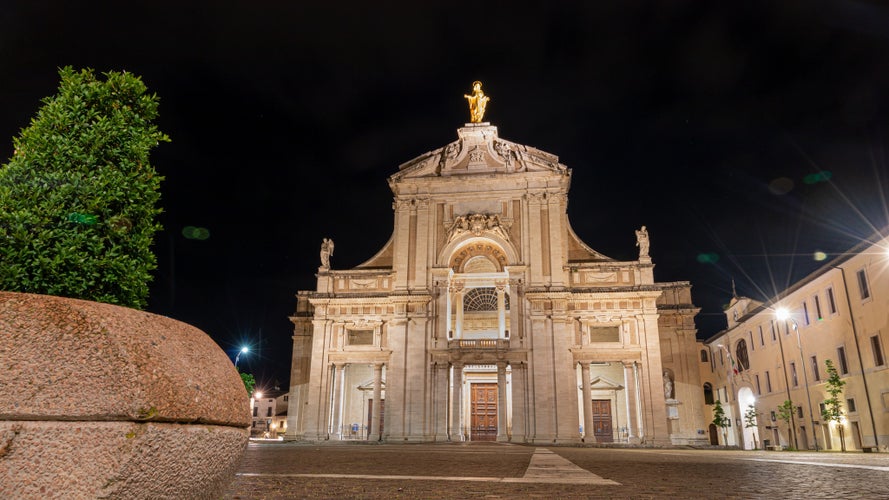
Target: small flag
[(731, 362)]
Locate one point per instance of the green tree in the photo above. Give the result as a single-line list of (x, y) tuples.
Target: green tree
[(78, 198), (750, 421), (249, 383), (833, 406), (720, 420), (785, 413)]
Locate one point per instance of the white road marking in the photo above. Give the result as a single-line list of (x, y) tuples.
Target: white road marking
[(547, 467)]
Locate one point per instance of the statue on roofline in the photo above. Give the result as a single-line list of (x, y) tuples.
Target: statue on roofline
[(642, 241), (477, 102), (326, 252)]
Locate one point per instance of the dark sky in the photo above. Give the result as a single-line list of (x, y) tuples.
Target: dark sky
[(700, 120)]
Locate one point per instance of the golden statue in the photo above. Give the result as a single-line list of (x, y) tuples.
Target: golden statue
[(477, 102)]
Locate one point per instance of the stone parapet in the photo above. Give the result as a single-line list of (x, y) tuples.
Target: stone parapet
[(98, 400)]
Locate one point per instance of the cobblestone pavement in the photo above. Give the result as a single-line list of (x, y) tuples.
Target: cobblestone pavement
[(490, 470)]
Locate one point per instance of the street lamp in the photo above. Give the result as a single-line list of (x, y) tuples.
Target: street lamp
[(784, 314), (242, 351), (787, 385)]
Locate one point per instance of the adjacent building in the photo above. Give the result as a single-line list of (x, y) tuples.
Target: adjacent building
[(485, 317), (775, 352), (269, 410)]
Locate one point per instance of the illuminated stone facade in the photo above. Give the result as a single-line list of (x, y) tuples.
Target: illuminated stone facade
[(837, 313), (485, 317)]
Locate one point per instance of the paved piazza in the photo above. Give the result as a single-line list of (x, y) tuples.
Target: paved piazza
[(490, 470)]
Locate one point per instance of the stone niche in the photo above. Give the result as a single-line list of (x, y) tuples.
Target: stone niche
[(102, 401)]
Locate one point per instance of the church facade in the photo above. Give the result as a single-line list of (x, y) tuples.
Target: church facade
[(485, 317)]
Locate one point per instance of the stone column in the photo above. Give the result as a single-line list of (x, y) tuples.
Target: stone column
[(449, 324), (374, 434), (501, 402), (336, 416), (440, 400), (630, 390), (589, 435), (501, 310), (458, 299), (457, 399), (519, 405)]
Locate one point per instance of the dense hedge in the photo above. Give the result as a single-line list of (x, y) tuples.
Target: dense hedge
[(79, 198)]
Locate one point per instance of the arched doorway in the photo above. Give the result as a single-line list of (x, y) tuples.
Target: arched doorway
[(747, 400)]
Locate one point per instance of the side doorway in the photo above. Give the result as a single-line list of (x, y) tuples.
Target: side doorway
[(602, 429)]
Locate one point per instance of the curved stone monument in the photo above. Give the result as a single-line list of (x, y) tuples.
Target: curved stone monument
[(102, 401)]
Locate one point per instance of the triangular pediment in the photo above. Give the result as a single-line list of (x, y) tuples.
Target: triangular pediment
[(368, 385), (603, 384), (479, 150)]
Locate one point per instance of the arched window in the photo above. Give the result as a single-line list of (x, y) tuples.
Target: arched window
[(708, 393), (483, 299), (741, 356), (704, 357)]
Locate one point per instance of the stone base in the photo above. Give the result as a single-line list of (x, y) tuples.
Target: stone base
[(127, 460)]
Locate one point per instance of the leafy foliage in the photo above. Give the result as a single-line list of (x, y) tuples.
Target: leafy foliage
[(249, 382), (750, 416), (719, 418), (78, 198), (833, 407), (785, 413)]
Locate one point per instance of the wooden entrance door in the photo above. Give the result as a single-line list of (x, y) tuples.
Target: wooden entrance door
[(483, 412), (714, 435), (602, 421)]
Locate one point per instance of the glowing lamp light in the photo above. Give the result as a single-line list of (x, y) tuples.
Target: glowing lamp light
[(257, 395), (242, 351), (782, 313)]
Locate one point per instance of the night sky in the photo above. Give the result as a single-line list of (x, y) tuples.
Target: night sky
[(745, 135)]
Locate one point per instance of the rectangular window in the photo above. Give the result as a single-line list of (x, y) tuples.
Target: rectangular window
[(752, 345), (831, 301), (863, 287), (768, 382), (269, 412), (815, 372), (774, 337), (806, 313), (721, 359), (605, 334), (361, 337), (850, 404), (773, 417), (841, 358), (793, 378), (758, 388), (799, 412), (823, 407), (255, 410), (818, 315), (877, 348), (762, 339)]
